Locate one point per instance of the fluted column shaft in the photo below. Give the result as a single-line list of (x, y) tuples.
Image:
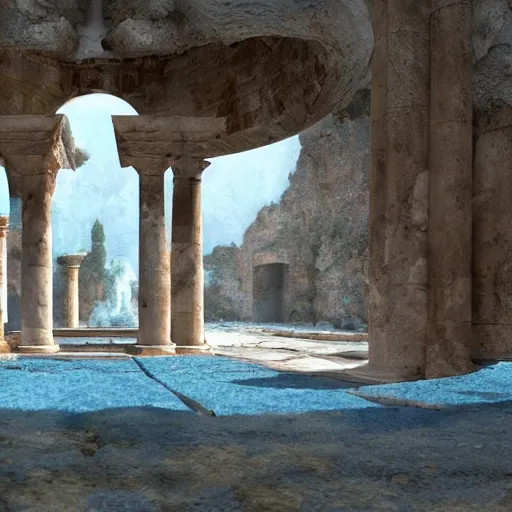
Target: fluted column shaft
[(4, 223), (71, 267), (420, 189), (154, 277), (36, 262), (399, 188), (71, 297), (187, 281), (450, 189)]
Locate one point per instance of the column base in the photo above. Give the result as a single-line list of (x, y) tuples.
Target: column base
[(38, 349), (153, 350), (5, 348), (190, 350)]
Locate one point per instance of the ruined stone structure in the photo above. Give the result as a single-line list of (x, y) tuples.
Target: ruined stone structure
[(208, 79), (70, 264), (318, 231), (211, 78)]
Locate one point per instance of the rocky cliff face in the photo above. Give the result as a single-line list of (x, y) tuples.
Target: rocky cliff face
[(318, 231)]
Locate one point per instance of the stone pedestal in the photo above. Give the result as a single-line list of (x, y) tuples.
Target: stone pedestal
[(36, 264), (4, 224), (187, 280), (492, 243), (71, 267), (154, 337)]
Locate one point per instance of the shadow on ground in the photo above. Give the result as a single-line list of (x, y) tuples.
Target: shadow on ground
[(151, 459)]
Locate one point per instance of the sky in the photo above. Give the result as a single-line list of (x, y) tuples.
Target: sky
[(234, 187)]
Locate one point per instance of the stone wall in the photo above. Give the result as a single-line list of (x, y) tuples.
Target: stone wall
[(223, 278), (319, 229)]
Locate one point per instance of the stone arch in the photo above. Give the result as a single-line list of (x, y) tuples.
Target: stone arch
[(113, 193)]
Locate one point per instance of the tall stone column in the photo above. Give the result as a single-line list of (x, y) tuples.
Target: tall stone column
[(71, 267), (451, 190), (4, 223), (399, 189), (154, 335), (492, 243), (36, 263), (187, 280), (35, 148)]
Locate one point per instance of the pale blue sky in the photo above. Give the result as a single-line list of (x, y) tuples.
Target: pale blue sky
[(235, 187)]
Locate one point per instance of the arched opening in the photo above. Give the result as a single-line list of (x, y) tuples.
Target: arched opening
[(95, 217), (236, 188), (317, 224)]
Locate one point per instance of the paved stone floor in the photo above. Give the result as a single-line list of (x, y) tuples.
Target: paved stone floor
[(137, 434)]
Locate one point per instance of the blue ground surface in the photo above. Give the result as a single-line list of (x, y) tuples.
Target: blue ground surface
[(227, 386), (235, 387), (491, 384), (79, 386)]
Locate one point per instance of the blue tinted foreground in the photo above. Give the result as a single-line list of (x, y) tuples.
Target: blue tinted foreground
[(491, 384), (79, 386), (234, 387), (224, 385), (221, 384)]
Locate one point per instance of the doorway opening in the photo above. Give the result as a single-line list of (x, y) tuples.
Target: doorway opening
[(269, 282)]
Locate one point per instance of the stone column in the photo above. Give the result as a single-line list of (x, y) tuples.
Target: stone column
[(71, 267), (36, 264), (450, 190), (4, 223), (187, 280), (399, 189), (154, 336), (492, 243)]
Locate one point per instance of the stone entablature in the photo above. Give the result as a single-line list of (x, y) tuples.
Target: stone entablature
[(269, 68)]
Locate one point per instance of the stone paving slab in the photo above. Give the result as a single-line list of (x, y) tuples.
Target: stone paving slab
[(249, 342)]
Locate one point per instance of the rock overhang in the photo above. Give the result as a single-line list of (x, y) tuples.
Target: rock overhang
[(271, 68)]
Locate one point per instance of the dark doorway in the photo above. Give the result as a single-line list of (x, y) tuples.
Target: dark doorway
[(268, 293)]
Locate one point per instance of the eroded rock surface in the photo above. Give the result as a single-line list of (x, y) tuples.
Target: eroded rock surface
[(319, 229)]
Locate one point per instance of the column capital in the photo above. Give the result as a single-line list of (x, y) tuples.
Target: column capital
[(145, 165), (36, 144), (188, 167), (71, 260)]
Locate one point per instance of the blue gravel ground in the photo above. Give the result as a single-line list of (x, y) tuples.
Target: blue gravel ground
[(108, 436), (227, 386), (234, 387), (491, 384), (79, 386)]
